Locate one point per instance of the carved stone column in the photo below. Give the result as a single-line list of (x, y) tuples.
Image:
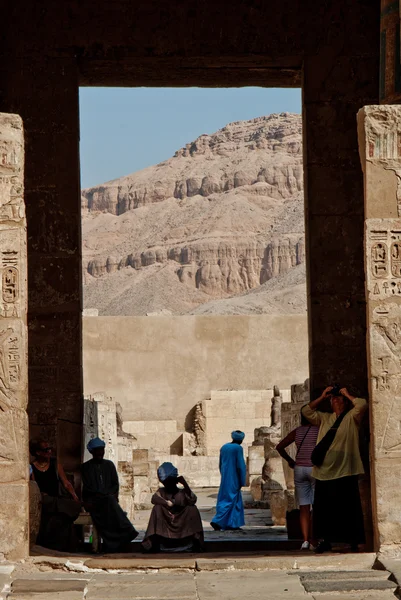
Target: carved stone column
[(14, 457), (380, 152)]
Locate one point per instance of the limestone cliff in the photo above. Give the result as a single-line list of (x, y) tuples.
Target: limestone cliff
[(223, 216)]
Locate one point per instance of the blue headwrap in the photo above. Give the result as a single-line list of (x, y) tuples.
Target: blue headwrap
[(237, 436), (95, 443), (166, 470)]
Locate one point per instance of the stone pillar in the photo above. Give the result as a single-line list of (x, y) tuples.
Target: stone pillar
[(380, 151), (44, 91), (334, 196), (14, 456)]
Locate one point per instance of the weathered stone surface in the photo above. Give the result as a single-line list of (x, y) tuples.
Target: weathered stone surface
[(48, 584), (13, 342), (14, 519), (142, 586), (204, 354), (380, 151), (35, 508), (126, 494), (233, 586), (134, 563)]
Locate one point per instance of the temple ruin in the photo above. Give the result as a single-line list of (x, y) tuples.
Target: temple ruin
[(346, 58)]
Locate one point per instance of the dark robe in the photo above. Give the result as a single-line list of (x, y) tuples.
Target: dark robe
[(100, 496), (176, 528), (58, 511), (337, 511)]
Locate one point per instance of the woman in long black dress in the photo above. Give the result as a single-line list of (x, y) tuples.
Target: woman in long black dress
[(58, 512)]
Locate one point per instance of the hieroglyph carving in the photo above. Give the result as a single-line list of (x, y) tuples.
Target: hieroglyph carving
[(384, 268), (13, 363), (383, 281)]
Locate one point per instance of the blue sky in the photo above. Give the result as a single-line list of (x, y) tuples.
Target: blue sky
[(127, 129)]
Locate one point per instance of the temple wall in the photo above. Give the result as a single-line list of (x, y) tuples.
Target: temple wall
[(159, 368)]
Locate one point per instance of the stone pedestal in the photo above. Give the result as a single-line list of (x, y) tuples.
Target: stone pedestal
[(380, 152), (14, 457)]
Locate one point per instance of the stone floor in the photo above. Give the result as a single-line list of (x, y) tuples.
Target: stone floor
[(258, 522), (330, 577)]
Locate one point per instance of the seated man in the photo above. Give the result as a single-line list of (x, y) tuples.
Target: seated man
[(175, 524), (100, 496)]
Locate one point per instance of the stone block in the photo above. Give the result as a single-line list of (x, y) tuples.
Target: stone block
[(140, 455), (14, 520), (188, 442), (262, 411), (141, 490), (255, 484), (134, 427), (256, 459), (141, 469), (253, 396)]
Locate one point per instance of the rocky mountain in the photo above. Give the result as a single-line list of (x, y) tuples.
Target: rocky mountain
[(221, 217)]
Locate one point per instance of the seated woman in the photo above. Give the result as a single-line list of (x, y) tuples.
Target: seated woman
[(58, 512), (175, 524)]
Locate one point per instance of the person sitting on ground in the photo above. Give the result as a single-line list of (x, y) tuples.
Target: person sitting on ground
[(58, 510), (337, 510), (305, 437), (230, 507), (100, 496), (175, 524)]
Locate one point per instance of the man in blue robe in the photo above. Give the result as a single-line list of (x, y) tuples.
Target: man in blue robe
[(230, 507)]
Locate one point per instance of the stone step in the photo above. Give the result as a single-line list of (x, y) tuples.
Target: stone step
[(46, 596), (48, 585), (365, 574), (347, 585), (363, 595)]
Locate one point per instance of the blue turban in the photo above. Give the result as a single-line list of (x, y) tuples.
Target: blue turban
[(95, 443), (166, 470), (237, 436)]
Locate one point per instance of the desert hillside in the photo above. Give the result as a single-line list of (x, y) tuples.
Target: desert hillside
[(207, 231)]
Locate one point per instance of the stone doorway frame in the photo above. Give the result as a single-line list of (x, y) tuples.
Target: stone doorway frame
[(333, 207)]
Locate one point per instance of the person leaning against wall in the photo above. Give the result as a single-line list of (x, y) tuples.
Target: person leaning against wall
[(337, 510)]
